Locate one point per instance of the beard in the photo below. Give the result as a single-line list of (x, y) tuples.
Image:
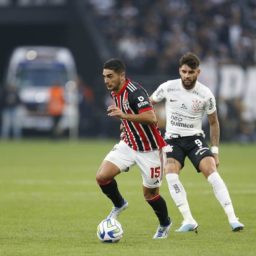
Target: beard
[(189, 84), (115, 86)]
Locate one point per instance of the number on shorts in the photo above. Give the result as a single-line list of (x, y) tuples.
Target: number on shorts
[(198, 143), (155, 172)]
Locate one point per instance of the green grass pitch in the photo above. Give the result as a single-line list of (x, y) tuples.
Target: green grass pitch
[(50, 204)]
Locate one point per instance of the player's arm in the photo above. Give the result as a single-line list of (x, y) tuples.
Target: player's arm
[(146, 116), (158, 95), (214, 134), (152, 101)]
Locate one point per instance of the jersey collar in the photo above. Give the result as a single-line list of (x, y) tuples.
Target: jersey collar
[(123, 87), (186, 90)]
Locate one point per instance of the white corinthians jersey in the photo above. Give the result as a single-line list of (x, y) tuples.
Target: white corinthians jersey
[(184, 108)]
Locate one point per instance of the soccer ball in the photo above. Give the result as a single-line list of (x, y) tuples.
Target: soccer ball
[(110, 231)]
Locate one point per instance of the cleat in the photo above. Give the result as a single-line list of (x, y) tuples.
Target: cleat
[(236, 226), (187, 227), (162, 232), (117, 210)]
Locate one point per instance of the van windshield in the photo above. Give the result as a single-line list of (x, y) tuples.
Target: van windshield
[(41, 75)]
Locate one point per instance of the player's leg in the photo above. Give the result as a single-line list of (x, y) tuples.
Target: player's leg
[(178, 193), (208, 168), (158, 204), (116, 161), (151, 167)]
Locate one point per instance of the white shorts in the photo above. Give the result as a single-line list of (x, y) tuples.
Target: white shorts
[(150, 163)]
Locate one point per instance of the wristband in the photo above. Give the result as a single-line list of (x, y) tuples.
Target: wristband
[(215, 150)]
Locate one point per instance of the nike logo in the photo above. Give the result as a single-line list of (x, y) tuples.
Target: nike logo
[(200, 153), (171, 100)]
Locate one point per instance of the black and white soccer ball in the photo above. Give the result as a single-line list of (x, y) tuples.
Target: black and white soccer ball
[(110, 231)]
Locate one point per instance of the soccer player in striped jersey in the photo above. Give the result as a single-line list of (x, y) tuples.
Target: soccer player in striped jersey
[(141, 143)]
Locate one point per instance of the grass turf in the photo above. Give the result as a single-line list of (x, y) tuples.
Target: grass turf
[(50, 204)]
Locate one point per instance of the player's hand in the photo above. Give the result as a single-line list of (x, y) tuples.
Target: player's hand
[(114, 111), (121, 127)]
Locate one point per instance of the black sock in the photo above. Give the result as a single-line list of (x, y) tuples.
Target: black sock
[(112, 192), (159, 206)]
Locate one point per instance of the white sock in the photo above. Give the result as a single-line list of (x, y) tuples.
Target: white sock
[(221, 192), (179, 196)]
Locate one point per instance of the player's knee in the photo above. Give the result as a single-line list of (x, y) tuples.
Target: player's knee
[(207, 166), (150, 193), (98, 178), (172, 166), (101, 179)]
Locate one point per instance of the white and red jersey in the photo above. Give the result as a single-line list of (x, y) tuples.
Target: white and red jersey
[(184, 108), (133, 99)]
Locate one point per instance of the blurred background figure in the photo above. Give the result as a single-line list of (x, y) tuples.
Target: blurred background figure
[(56, 106), (87, 113), (11, 113)]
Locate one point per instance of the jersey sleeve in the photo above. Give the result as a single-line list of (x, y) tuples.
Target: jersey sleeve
[(159, 94), (140, 101), (210, 104)]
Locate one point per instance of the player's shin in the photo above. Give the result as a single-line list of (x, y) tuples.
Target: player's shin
[(221, 193), (159, 206), (111, 190), (179, 196)]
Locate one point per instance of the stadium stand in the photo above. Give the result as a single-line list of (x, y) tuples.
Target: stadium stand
[(150, 36)]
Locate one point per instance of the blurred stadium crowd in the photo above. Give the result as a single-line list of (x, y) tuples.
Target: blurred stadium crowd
[(152, 35)]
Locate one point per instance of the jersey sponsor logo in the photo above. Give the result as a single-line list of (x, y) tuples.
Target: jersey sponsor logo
[(183, 106), (142, 102), (195, 92), (176, 118), (201, 151), (179, 124), (157, 181), (173, 89), (210, 104)]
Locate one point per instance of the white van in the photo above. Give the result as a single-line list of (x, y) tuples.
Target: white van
[(34, 70)]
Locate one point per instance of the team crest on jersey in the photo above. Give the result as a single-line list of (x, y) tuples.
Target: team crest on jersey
[(126, 104), (197, 105)]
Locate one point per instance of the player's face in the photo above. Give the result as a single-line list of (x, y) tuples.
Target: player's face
[(113, 81), (188, 76)]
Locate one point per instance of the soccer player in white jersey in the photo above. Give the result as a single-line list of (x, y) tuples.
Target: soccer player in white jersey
[(186, 101)]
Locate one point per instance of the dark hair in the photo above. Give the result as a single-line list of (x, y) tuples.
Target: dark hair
[(115, 64), (189, 59)]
